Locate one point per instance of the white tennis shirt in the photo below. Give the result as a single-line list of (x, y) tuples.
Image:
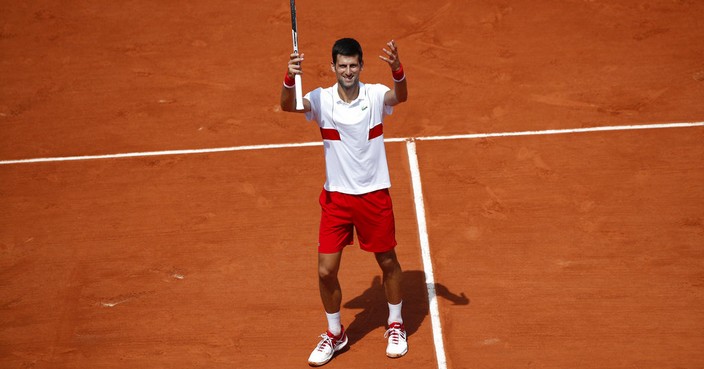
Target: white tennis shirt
[(355, 158)]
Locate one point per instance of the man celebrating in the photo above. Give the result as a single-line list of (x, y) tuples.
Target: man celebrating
[(350, 115)]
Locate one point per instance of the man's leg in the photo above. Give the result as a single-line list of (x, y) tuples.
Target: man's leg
[(393, 275), (330, 290), (335, 338)]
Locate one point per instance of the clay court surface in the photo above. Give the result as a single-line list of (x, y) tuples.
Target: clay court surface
[(579, 249)]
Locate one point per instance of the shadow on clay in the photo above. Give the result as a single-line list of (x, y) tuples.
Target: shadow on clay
[(415, 305)]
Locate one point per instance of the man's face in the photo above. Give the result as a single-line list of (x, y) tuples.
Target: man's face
[(347, 70)]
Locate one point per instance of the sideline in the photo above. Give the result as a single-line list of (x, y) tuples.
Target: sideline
[(425, 253)]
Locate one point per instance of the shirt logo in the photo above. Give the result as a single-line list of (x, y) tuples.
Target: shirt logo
[(364, 108)]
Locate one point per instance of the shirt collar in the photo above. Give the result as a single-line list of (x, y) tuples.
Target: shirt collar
[(362, 95)]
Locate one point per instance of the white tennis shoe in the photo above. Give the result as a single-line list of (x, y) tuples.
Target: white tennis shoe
[(327, 347), (398, 345)]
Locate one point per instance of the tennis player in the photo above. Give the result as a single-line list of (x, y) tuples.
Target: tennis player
[(350, 115)]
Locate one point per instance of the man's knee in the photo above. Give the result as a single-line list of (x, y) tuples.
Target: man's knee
[(327, 273), (388, 262), (328, 265)]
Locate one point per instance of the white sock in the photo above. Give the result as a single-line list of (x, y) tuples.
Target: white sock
[(334, 325), (395, 313)]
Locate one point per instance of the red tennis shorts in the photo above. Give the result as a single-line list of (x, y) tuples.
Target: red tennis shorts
[(371, 214)]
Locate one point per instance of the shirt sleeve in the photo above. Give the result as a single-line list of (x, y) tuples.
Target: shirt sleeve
[(314, 98), (378, 91)]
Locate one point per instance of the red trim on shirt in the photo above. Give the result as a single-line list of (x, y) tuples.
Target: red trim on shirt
[(330, 134), (333, 134), (376, 131)]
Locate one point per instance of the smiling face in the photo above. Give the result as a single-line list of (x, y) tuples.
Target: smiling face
[(347, 69)]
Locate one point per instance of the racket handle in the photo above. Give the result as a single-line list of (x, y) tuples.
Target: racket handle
[(299, 92)]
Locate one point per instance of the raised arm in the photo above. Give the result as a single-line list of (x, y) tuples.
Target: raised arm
[(399, 93), (288, 95)]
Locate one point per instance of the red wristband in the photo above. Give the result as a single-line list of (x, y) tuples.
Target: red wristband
[(288, 81), (398, 74)]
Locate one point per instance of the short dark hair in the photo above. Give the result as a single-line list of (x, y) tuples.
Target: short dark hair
[(346, 47)]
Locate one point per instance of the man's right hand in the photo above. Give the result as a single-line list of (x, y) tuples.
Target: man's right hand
[(294, 64)]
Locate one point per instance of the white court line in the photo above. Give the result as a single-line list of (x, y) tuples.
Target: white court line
[(425, 252), (160, 153), (563, 131), (317, 143)]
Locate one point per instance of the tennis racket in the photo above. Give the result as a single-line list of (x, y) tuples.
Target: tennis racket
[(294, 35)]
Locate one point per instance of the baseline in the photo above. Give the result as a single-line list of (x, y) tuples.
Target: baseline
[(317, 143)]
